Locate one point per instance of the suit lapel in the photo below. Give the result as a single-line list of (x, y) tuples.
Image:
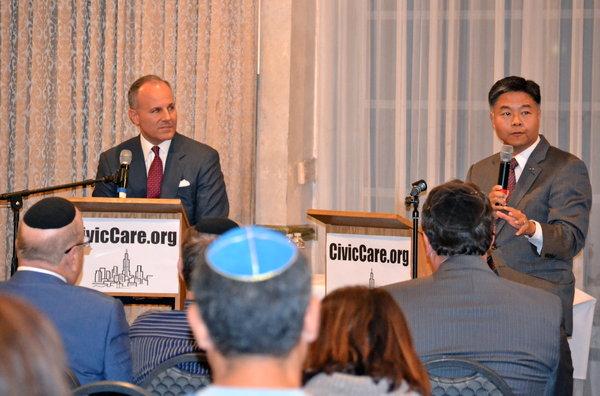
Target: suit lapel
[(530, 173), (172, 174), (137, 171)]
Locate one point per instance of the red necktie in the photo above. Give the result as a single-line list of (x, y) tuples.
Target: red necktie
[(155, 175), (512, 180)]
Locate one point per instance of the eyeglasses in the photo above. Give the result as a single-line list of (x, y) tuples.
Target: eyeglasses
[(86, 242)]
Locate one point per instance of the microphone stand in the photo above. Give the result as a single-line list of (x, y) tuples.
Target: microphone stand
[(16, 204), (414, 201)]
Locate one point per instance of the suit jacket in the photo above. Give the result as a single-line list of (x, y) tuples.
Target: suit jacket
[(92, 325), (554, 189), (465, 310), (205, 196)]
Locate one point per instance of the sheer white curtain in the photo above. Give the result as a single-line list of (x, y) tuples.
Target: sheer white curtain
[(402, 95)]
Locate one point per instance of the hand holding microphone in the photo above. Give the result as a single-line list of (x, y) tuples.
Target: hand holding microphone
[(122, 178), (499, 193)]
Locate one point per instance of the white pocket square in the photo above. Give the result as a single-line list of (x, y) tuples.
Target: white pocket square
[(184, 183)]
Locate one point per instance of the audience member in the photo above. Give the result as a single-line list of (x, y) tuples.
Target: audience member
[(91, 324), (465, 310), (157, 336), (32, 361), (253, 313), (364, 347)]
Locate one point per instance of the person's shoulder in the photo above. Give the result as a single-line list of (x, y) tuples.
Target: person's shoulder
[(85, 295), (409, 286), (126, 144), (154, 317), (533, 297), (559, 156), (486, 161), (191, 145), (171, 324)]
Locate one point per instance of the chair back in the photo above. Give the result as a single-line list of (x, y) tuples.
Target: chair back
[(453, 376), (172, 378), (110, 388)]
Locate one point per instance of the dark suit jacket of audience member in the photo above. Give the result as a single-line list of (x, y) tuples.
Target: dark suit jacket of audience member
[(189, 160), (465, 310), (554, 189), (92, 325)]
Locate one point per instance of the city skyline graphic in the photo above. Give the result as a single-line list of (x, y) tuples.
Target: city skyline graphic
[(103, 277)]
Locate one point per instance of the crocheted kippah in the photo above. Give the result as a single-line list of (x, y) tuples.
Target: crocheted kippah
[(50, 213), (251, 254)]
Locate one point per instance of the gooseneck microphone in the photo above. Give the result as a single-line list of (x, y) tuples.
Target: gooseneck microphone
[(123, 174), (418, 187), (505, 157)]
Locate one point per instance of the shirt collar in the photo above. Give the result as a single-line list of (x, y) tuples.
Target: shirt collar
[(147, 147), (524, 155), (42, 271)]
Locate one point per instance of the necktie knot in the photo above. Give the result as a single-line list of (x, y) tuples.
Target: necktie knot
[(156, 149), (513, 163)]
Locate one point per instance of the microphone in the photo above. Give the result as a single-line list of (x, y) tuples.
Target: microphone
[(418, 187), (505, 157), (123, 174)]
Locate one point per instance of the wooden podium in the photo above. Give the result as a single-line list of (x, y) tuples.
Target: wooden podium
[(154, 243), (367, 224)]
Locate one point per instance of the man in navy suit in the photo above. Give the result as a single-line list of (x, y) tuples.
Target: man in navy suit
[(190, 170), (92, 325)]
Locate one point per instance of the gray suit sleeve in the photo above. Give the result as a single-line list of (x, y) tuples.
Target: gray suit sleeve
[(569, 204)]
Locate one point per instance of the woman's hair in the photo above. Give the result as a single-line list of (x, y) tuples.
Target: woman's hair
[(363, 332), (32, 360)]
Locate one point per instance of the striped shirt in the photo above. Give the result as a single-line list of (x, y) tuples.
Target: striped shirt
[(157, 336)]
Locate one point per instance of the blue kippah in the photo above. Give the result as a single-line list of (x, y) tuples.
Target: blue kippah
[(251, 254), (50, 213)]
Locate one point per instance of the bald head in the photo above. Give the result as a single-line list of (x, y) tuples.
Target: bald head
[(48, 229)]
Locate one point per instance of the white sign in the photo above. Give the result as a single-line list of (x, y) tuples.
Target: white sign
[(134, 256), (370, 260)]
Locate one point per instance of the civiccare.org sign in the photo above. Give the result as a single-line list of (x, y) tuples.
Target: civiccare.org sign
[(133, 256), (370, 260)]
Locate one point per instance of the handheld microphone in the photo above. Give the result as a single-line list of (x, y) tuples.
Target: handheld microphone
[(123, 174), (418, 187), (505, 157)]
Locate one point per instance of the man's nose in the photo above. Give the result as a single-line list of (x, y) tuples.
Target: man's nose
[(166, 114), (516, 119)]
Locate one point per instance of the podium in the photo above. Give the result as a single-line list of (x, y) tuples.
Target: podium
[(357, 242), (135, 247)]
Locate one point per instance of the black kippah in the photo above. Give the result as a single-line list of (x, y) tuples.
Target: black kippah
[(50, 213)]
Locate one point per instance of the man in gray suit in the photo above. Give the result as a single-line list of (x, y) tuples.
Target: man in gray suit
[(191, 170), (465, 310), (543, 222)]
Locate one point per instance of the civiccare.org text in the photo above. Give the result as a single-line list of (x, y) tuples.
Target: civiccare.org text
[(348, 252), (117, 235)]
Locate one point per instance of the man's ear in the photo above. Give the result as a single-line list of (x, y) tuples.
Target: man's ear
[(134, 116), (428, 248), (199, 328), (312, 318), (180, 268)]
